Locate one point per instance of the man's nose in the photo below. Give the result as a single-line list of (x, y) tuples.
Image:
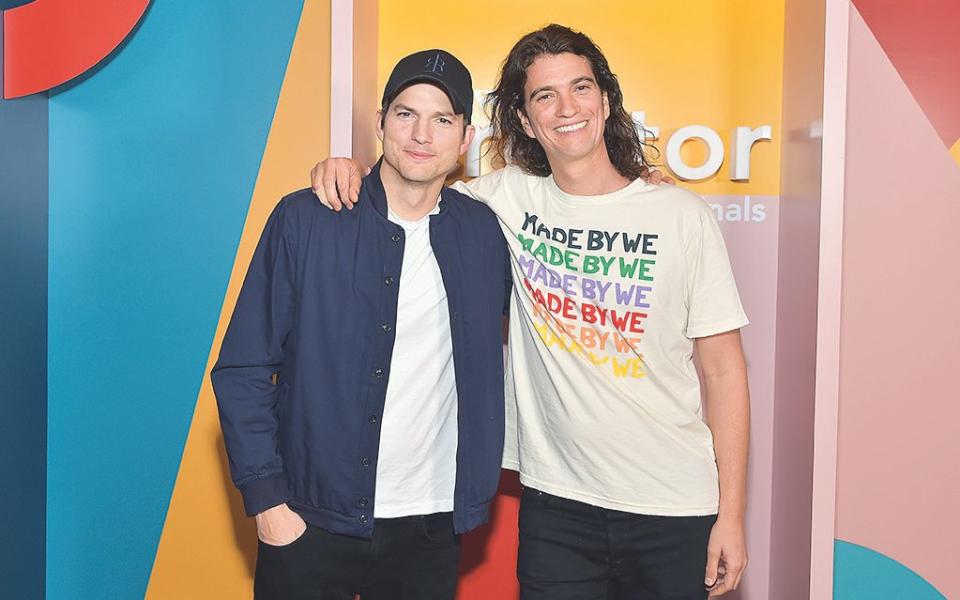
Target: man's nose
[(421, 132), (567, 105)]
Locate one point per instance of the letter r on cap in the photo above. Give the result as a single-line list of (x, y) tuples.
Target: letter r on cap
[(436, 64)]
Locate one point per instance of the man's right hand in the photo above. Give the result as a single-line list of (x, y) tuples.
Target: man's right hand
[(279, 526), (336, 182)]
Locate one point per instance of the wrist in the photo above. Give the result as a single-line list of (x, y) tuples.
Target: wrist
[(731, 514), (271, 511)]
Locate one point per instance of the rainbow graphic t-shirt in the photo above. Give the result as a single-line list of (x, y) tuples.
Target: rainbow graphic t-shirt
[(603, 398)]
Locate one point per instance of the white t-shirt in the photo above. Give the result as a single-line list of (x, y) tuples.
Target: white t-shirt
[(603, 399), (417, 460)]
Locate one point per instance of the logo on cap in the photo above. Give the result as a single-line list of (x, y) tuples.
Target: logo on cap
[(436, 64)]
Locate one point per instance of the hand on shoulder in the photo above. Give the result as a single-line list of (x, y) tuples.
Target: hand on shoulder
[(336, 182)]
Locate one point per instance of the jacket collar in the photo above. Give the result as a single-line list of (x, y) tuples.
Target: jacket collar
[(372, 186)]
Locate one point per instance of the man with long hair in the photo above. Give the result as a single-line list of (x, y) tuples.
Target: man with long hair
[(628, 493)]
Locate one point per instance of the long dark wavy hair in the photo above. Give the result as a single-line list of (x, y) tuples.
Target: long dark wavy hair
[(625, 147)]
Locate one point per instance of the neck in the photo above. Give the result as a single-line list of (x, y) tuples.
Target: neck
[(592, 175), (409, 200)]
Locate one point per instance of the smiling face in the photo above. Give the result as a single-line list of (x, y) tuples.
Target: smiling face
[(564, 108), (422, 137)]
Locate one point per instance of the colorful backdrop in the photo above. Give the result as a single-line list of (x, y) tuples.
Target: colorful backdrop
[(898, 481), (155, 143), (172, 134), (143, 145)]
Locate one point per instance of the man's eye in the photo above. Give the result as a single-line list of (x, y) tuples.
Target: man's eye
[(543, 97), (403, 114), (444, 121)]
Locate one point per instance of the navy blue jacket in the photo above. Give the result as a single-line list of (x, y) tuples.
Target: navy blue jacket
[(303, 370)]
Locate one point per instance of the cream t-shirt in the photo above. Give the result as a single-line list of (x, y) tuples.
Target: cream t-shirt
[(603, 399)]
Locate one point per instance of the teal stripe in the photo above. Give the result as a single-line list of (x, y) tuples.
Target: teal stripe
[(23, 345), (864, 574), (153, 161)]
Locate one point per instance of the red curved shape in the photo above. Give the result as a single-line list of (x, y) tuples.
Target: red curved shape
[(49, 42)]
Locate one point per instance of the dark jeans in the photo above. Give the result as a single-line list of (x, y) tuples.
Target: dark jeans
[(574, 551), (413, 558)]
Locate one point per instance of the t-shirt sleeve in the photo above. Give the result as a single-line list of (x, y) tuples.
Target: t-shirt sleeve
[(712, 298), (486, 188)]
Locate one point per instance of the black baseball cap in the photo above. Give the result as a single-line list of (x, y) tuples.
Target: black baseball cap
[(438, 67)]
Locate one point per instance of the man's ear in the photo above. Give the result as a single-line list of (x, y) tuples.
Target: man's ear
[(380, 117), (525, 123), (468, 135), (606, 107)]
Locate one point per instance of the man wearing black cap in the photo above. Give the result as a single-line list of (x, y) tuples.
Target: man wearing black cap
[(360, 382)]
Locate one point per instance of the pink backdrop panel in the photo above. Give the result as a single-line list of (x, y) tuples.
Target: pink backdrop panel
[(898, 485)]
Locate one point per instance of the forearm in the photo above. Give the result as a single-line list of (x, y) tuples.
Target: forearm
[(246, 401), (728, 410), (728, 415), (244, 376)]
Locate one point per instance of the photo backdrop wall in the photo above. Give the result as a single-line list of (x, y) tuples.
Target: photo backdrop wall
[(165, 159)]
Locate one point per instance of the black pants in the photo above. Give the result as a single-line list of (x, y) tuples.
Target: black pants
[(574, 551), (413, 558)]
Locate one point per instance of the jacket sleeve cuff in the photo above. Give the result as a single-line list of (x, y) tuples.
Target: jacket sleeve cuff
[(261, 494)]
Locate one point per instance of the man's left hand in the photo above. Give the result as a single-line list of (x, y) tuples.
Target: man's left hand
[(726, 556)]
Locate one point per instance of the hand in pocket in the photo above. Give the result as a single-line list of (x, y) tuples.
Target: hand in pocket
[(280, 526)]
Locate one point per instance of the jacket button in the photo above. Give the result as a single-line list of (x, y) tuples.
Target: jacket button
[(395, 237), (378, 373), (372, 419), (363, 518), (363, 501), (388, 280), (386, 327), (365, 462)]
